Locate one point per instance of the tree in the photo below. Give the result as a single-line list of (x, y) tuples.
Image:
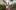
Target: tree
[(1, 7), (14, 5)]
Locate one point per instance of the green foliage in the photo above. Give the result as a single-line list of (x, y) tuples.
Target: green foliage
[(1, 7), (14, 5)]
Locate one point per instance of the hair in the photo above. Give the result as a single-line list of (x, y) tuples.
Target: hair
[(4, 7), (11, 6)]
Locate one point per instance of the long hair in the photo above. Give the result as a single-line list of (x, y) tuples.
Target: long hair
[(4, 7)]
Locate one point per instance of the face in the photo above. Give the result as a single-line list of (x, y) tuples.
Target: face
[(6, 6), (9, 6)]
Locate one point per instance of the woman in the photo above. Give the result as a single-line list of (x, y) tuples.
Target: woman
[(8, 7)]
